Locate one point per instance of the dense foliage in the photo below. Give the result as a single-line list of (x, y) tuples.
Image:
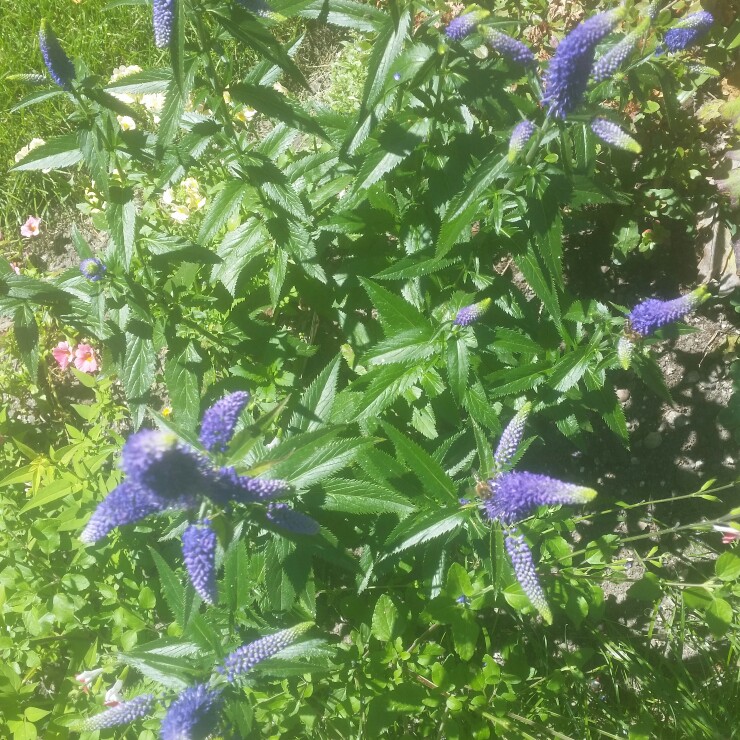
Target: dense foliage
[(334, 337)]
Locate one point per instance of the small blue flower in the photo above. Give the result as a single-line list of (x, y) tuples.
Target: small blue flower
[(524, 570), (93, 269), (567, 76), (163, 17), (471, 314), (611, 134), (127, 503), (462, 600), (193, 715), (228, 486), (511, 438), (60, 66), (509, 47), (689, 31), (521, 134), (219, 421), (246, 657), (199, 555), (652, 314), (123, 714), (281, 515)]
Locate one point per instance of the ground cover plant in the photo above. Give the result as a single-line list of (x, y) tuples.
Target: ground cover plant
[(288, 433)]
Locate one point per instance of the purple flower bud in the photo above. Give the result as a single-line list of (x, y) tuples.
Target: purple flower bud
[(509, 47), (293, 521), (652, 314), (162, 463), (163, 17), (653, 10), (624, 352), (471, 314), (516, 494), (511, 439), (123, 714), (193, 715), (199, 554), (524, 570), (611, 134), (570, 68), (93, 269), (688, 31), (521, 134), (610, 62), (125, 504), (462, 26), (219, 421), (56, 60), (228, 486), (246, 657)]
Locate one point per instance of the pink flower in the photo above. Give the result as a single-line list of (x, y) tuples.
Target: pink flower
[(729, 534), (64, 355), (16, 268), (85, 359), (87, 677), (113, 696), (31, 227)]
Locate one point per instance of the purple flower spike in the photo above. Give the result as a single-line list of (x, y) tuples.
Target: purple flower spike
[(123, 714), (163, 17), (511, 439), (462, 26), (127, 503), (93, 269), (60, 66), (524, 570), (229, 486), (652, 314), (625, 348), (219, 421), (168, 467), (246, 657), (509, 47), (689, 31), (610, 62), (570, 68), (521, 134), (199, 554), (470, 314), (611, 134), (293, 521), (193, 715), (515, 495)]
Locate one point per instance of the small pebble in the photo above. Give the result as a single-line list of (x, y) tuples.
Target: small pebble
[(623, 395), (653, 440), (691, 377)]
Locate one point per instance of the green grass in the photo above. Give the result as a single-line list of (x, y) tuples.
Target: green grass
[(104, 39)]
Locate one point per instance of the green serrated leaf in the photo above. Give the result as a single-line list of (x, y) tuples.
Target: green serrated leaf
[(317, 400), (363, 497), (385, 619), (224, 205)]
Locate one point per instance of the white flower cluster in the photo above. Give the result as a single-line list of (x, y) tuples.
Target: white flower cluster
[(183, 200), (153, 102)]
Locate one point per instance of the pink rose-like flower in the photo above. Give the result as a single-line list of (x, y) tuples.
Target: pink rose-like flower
[(31, 227), (85, 359), (63, 354)]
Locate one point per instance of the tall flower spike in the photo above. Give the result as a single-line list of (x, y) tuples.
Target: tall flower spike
[(688, 31), (293, 521), (570, 68), (199, 554), (60, 66), (168, 467), (123, 714), (521, 134), (515, 495), (611, 134), (93, 269), (652, 314), (610, 62), (246, 657), (462, 26), (228, 486), (163, 17), (524, 570), (509, 47), (193, 715), (219, 421), (511, 439), (625, 348), (127, 503), (471, 314)]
